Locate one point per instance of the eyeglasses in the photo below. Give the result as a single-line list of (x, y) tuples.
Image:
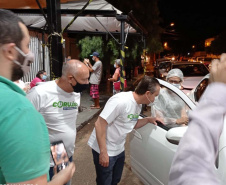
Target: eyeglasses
[(174, 81)]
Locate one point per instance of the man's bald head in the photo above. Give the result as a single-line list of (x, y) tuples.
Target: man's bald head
[(77, 69), (73, 67)]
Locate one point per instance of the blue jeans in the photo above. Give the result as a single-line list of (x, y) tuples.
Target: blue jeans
[(110, 175), (51, 172)]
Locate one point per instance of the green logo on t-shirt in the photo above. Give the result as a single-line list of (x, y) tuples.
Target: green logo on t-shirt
[(65, 105), (133, 117)]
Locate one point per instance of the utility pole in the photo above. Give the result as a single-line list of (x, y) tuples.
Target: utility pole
[(54, 40)]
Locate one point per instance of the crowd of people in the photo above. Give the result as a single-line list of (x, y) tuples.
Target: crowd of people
[(32, 118)]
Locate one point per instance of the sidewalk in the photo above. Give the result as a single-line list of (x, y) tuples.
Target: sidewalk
[(87, 113)]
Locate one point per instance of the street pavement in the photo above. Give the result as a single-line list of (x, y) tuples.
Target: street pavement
[(87, 113)]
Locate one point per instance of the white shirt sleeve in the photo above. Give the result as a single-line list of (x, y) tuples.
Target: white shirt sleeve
[(194, 162), (113, 108), (34, 98)]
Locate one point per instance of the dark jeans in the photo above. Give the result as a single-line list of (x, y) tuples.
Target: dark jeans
[(110, 175), (51, 172)]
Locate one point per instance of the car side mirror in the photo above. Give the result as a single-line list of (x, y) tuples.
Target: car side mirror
[(200, 89), (174, 135)]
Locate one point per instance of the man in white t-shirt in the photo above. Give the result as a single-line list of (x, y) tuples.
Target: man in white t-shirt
[(58, 102), (118, 118), (95, 78)]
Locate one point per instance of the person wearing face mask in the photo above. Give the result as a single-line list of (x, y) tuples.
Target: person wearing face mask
[(44, 77), (118, 118), (116, 76), (58, 102), (40, 77), (95, 78), (168, 106), (23, 131)]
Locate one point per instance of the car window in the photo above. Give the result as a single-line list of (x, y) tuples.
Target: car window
[(189, 69), (169, 108), (165, 65)]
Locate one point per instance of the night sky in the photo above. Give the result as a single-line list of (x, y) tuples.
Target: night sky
[(194, 20)]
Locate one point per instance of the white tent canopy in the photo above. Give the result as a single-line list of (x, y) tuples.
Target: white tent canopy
[(82, 23)]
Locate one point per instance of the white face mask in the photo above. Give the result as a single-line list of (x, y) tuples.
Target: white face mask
[(114, 65), (176, 85), (28, 59), (150, 102)]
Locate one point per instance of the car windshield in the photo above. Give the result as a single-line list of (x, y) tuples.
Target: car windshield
[(207, 59), (192, 69)]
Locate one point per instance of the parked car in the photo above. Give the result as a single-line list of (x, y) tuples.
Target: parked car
[(191, 77), (205, 60), (162, 68), (152, 148)]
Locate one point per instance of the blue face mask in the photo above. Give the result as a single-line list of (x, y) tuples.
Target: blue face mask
[(114, 65), (176, 85), (44, 77)]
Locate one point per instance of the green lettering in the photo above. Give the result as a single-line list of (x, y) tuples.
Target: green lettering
[(54, 104), (60, 104)]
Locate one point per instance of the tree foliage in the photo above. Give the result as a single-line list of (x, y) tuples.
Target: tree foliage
[(113, 48), (90, 44), (155, 46)]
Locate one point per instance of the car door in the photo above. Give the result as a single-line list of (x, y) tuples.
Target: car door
[(151, 153)]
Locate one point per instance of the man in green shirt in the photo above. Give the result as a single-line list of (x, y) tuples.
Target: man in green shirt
[(24, 140)]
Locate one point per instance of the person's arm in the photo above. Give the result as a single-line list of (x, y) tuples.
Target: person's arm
[(89, 65), (27, 161), (197, 151), (100, 127), (183, 120), (115, 76), (113, 108), (60, 178), (167, 114), (144, 121)]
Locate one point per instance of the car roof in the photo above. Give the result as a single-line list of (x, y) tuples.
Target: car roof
[(184, 62), (193, 63)]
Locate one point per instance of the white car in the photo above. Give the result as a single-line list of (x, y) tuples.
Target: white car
[(152, 148)]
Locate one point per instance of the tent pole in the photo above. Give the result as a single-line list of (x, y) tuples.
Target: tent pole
[(122, 54), (144, 54), (43, 49), (122, 19), (54, 39)]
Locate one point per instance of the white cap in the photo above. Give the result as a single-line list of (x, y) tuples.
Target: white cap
[(175, 72)]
